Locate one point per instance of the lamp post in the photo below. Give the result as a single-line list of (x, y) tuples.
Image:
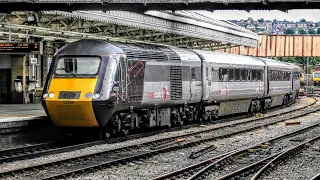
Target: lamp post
[(18, 85)]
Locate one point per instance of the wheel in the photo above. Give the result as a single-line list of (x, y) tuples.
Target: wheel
[(126, 131)]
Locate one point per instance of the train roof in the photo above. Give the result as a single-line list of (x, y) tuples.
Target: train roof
[(226, 58), (271, 62), (89, 47)]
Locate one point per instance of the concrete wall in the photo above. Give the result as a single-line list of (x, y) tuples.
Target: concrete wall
[(5, 61), (19, 67)]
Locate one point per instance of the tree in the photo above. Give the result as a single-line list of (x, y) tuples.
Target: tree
[(289, 31), (318, 31), (261, 20), (311, 25), (302, 31), (303, 20), (274, 21), (316, 24), (311, 31)]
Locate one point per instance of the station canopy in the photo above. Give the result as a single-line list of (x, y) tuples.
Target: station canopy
[(193, 29)]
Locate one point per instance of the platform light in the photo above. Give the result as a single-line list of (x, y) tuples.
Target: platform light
[(31, 85), (18, 85)]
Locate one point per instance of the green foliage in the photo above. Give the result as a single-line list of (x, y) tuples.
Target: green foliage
[(289, 31), (311, 31), (302, 31), (300, 60), (318, 31), (309, 69), (261, 20), (316, 24), (303, 20)]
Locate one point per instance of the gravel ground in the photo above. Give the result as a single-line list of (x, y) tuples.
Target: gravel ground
[(180, 153), (303, 166), (275, 147), (171, 161)]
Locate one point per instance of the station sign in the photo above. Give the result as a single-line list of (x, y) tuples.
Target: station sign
[(21, 48)]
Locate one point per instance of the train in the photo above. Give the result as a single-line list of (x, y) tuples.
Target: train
[(124, 87), (316, 78)]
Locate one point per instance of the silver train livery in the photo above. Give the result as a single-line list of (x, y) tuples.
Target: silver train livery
[(122, 87)]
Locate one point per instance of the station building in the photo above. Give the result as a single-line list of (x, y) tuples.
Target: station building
[(23, 70)]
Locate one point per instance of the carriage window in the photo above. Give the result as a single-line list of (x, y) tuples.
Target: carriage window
[(254, 75), (215, 75), (78, 66), (259, 75), (231, 74), (288, 76), (237, 74), (248, 74), (243, 74), (193, 73), (207, 73), (223, 74)]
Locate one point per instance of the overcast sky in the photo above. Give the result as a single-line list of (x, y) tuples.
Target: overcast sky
[(292, 15)]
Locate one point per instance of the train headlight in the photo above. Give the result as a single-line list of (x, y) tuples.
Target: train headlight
[(51, 95), (96, 96), (88, 95), (45, 95)]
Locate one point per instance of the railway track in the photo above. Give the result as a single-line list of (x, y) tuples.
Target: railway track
[(50, 148), (129, 153), (203, 169), (316, 177), (282, 157)]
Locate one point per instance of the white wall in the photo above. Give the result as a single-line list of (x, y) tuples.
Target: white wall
[(5, 61)]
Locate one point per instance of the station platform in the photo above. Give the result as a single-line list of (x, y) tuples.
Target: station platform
[(17, 117)]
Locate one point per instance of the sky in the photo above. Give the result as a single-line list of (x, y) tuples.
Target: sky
[(292, 15)]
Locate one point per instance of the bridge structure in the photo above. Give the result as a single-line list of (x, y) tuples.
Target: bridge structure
[(145, 5), (281, 46)]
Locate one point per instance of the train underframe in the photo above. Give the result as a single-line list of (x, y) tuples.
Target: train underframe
[(133, 120)]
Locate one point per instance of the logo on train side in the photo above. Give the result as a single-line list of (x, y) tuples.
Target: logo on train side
[(159, 94)]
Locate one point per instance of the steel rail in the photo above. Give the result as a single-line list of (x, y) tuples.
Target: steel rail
[(284, 155), (226, 157), (316, 177), (251, 167), (55, 147), (131, 158), (170, 148)]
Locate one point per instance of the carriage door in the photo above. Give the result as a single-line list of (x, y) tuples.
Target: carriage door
[(121, 78), (206, 76)]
